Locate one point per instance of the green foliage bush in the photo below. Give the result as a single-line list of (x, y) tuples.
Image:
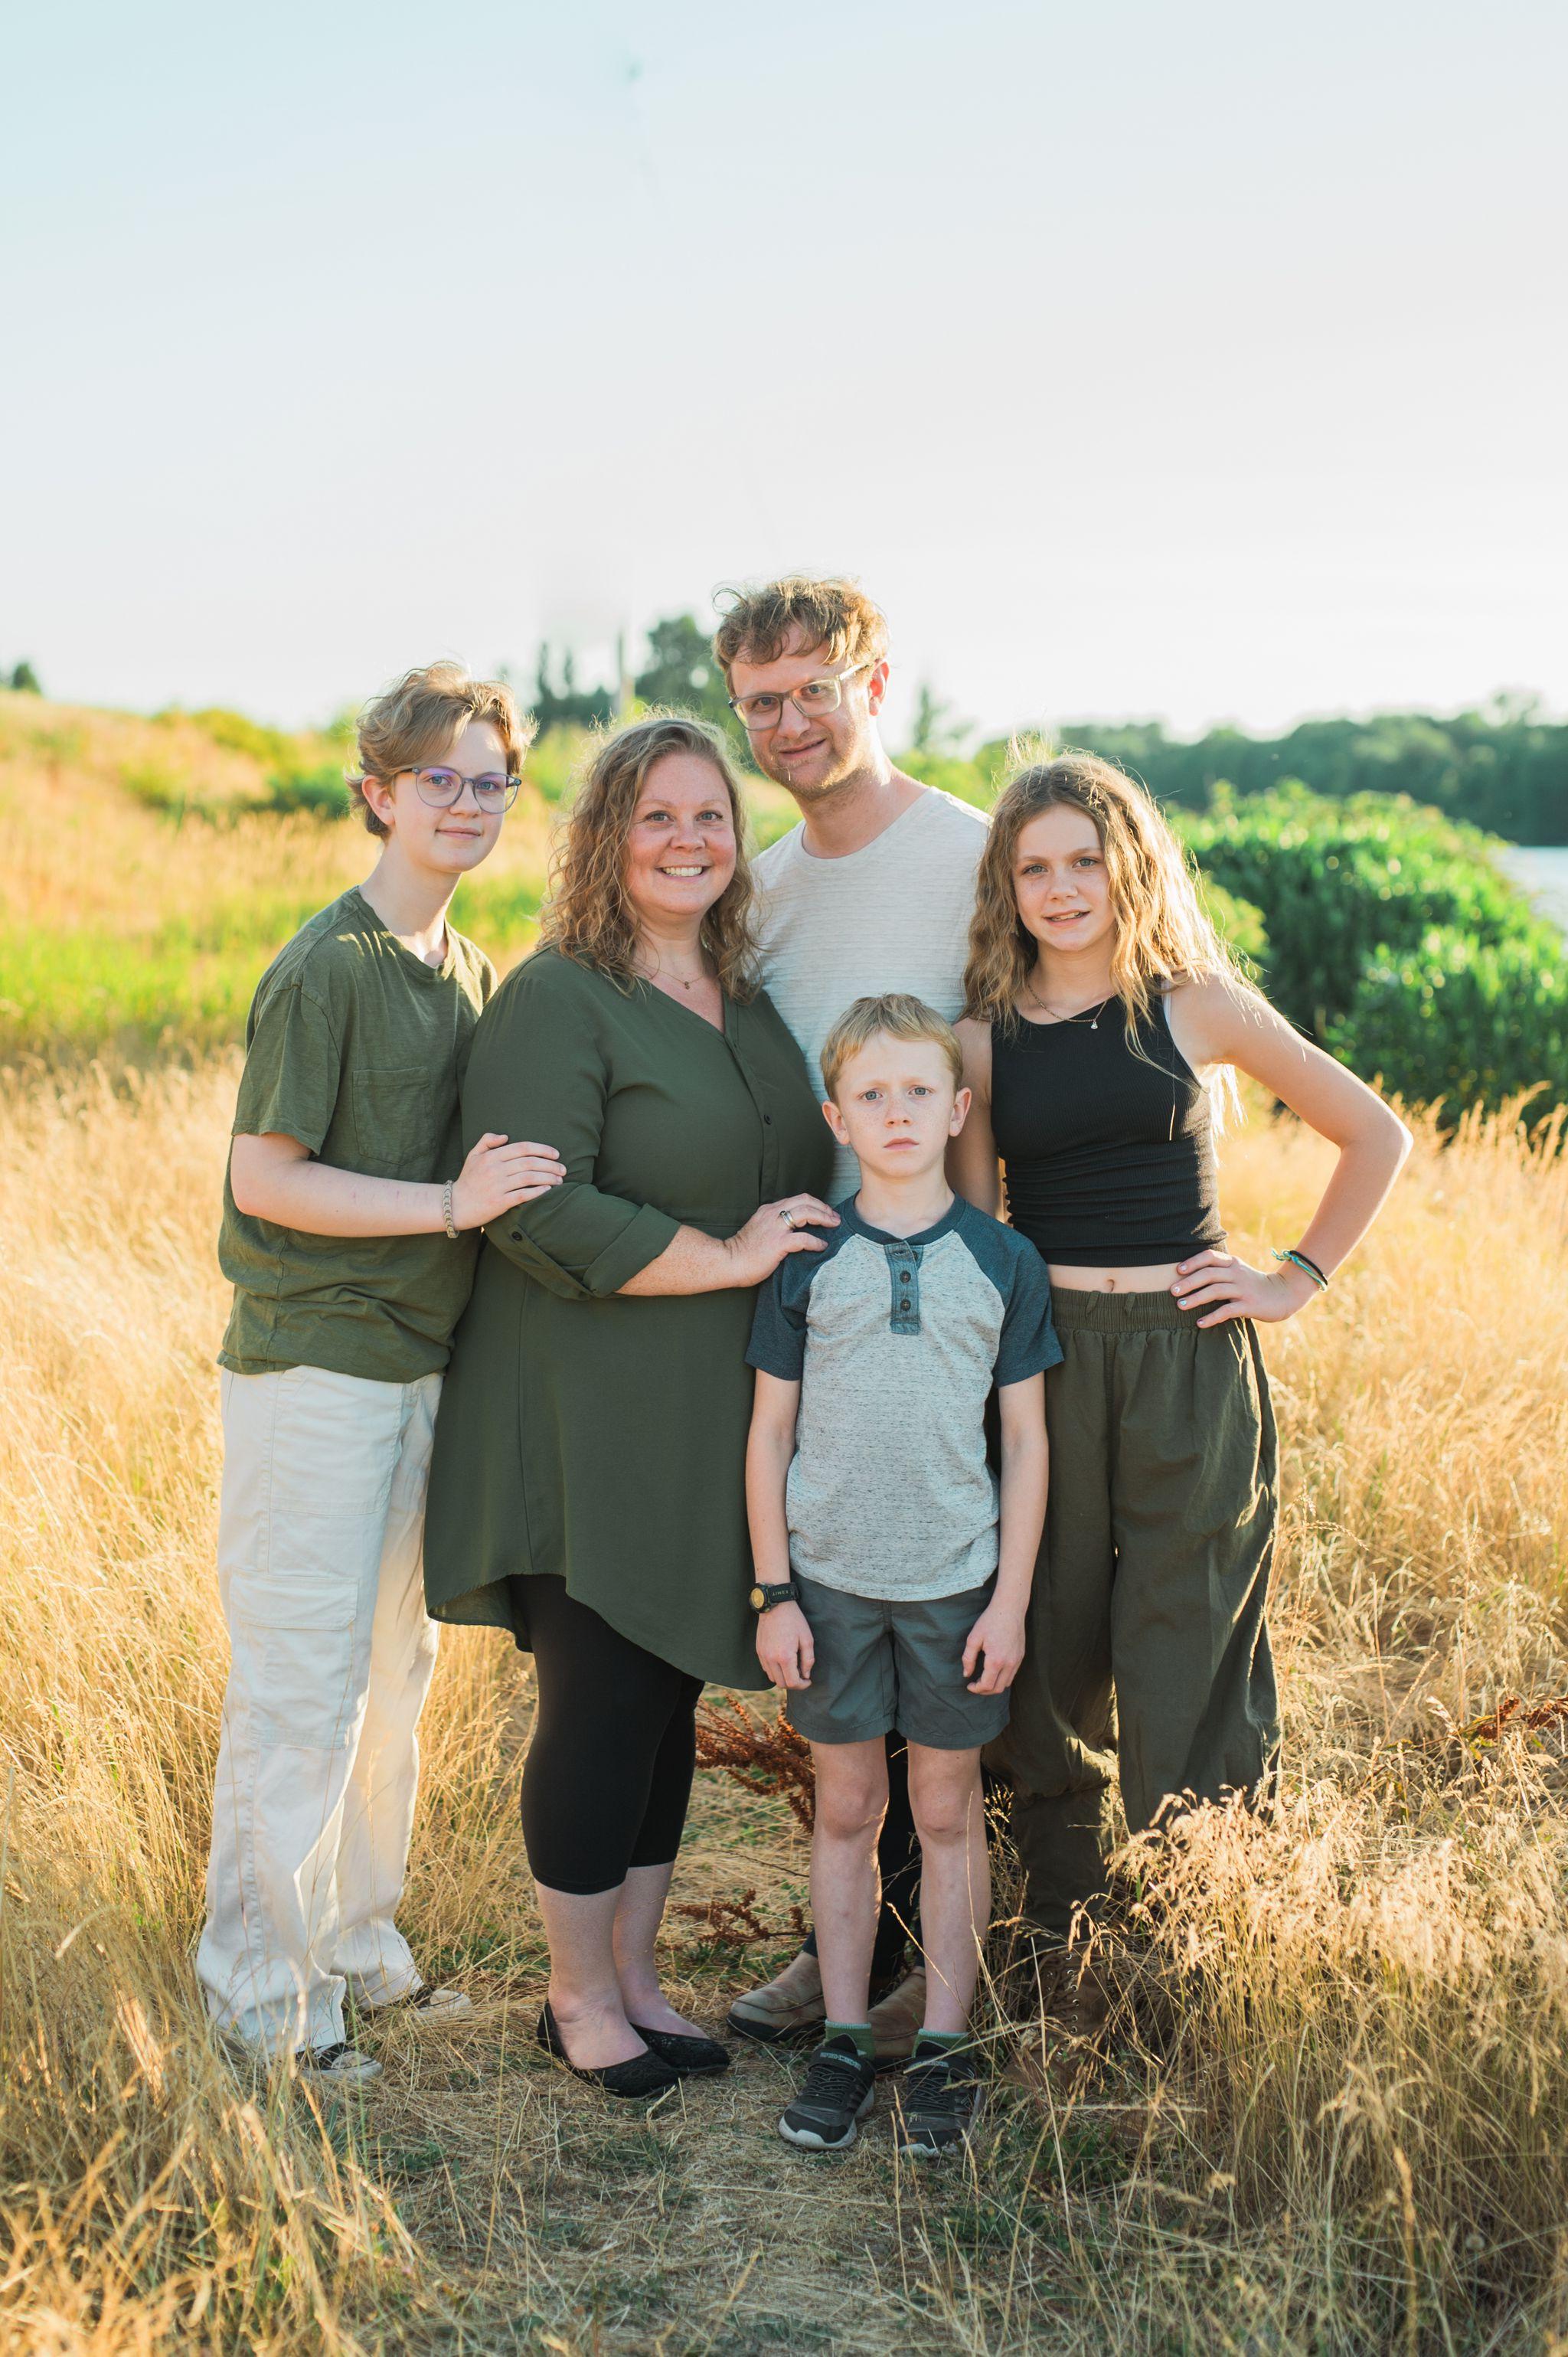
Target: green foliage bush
[(971, 777), (296, 785), (237, 734), (1237, 923), (320, 791), (1391, 936), (1337, 882), (165, 793), (1460, 1019)]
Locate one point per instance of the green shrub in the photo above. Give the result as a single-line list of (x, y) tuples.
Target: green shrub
[(1237, 923), (167, 795), (974, 777), (1465, 1020), (1337, 883), (236, 734), (553, 760), (951, 774), (321, 792), (501, 912)]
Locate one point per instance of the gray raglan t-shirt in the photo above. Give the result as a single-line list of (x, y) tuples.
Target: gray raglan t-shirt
[(895, 1342), (893, 916)]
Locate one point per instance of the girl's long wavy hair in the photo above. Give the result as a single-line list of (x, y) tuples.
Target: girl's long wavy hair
[(1164, 934), (587, 914)]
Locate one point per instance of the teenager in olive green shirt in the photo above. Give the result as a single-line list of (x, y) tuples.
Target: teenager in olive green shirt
[(351, 1225)]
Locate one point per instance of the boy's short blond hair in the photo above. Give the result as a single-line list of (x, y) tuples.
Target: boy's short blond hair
[(760, 624), (901, 1016), (411, 724)]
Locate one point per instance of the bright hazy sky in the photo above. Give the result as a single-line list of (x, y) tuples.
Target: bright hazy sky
[(1200, 361)]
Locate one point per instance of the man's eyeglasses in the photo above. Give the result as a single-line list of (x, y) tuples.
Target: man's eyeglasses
[(758, 714), (441, 789)]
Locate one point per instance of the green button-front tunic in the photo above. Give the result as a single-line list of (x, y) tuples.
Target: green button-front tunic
[(581, 1433)]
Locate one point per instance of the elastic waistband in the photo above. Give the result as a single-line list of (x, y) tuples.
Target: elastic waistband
[(1079, 1311)]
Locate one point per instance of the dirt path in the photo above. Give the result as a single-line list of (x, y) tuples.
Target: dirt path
[(561, 2219)]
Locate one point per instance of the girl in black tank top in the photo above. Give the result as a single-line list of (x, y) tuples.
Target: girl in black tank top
[(1107, 1154), (1098, 993)]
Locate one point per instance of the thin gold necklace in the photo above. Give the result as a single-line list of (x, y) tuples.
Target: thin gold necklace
[(1058, 1016), (658, 973)]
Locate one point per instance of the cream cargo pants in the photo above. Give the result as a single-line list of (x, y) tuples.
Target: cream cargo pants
[(319, 1568)]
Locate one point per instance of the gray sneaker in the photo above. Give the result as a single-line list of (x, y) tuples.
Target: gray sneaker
[(937, 2103), (783, 2008), (836, 2093)]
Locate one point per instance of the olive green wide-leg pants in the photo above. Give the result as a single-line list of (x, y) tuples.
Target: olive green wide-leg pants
[(1147, 1650)]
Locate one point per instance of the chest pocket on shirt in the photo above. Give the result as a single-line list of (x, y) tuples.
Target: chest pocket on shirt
[(401, 1120)]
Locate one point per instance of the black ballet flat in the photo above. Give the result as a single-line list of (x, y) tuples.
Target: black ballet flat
[(693, 2058), (643, 2075)]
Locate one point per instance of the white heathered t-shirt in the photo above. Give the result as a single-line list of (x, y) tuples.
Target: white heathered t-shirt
[(893, 916)]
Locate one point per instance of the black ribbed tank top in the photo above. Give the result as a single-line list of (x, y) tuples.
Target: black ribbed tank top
[(1109, 1160)]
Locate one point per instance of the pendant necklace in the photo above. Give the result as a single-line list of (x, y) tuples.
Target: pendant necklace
[(660, 974), (1057, 1016)]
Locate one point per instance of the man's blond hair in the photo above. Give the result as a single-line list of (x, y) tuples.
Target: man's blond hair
[(902, 1016), (758, 625), (413, 723)]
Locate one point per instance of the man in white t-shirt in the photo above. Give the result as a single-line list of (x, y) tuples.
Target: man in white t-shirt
[(872, 892)]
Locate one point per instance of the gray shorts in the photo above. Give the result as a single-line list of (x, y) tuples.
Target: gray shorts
[(883, 1666)]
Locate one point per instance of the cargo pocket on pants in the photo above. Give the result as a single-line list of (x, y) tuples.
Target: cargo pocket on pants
[(297, 1658)]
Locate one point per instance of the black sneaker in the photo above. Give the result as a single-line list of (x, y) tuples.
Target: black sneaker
[(937, 2102), (838, 2091)]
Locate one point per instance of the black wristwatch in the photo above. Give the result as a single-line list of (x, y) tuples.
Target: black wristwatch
[(783, 1591)]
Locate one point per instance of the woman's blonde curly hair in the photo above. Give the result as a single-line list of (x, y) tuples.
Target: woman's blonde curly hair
[(1164, 934), (588, 914)]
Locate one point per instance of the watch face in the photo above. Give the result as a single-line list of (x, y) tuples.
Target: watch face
[(757, 1599)]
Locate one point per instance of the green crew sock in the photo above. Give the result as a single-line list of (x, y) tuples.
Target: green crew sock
[(861, 2034), (939, 2042)]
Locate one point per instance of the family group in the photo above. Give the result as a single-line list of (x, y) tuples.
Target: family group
[(804, 1269)]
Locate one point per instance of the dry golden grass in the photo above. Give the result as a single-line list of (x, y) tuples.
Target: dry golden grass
[(1331, 2110)]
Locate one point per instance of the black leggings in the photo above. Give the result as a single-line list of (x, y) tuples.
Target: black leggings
[(608, 1772)]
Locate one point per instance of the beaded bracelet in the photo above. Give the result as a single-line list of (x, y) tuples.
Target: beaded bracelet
[(447, 1221), (1307, 1268)]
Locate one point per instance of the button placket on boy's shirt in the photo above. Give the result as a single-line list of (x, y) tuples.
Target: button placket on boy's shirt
[(904, 1275)]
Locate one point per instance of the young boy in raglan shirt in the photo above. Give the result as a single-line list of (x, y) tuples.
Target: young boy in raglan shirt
[(893, 1570), (873, 891), (351, 1225)]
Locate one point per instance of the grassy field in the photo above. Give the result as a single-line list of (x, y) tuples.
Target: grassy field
[(1327, 2110), (153, 866)]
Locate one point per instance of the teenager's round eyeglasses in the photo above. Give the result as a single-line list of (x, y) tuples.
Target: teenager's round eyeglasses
[(440, 789), (758, 714)]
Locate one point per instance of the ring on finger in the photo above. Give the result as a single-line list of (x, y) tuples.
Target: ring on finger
[(787, 1216)]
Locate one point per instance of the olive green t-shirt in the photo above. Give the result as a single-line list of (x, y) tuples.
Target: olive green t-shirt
[(355, 1046)]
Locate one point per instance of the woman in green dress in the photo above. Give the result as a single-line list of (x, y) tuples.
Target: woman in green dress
[(587, 1489)]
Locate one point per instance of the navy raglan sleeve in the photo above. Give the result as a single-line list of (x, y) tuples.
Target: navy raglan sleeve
[(777, 1345), (1028, 1343)]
